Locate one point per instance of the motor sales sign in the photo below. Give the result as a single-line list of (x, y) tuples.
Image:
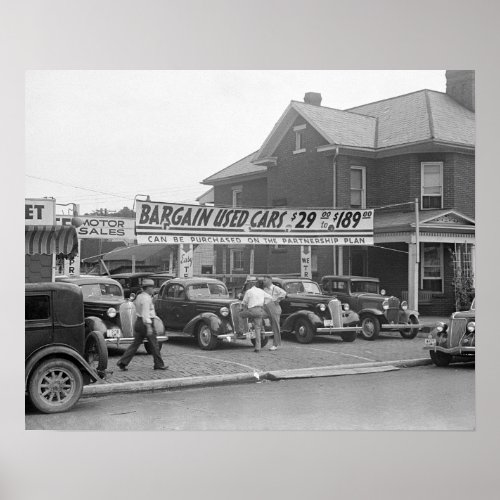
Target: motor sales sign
[(158, 222), (107, 228)]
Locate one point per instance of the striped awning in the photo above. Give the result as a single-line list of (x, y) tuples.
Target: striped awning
[(59, 240)]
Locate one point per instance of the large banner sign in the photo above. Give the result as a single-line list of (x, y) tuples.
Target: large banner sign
[(158, 222), (39, 211)]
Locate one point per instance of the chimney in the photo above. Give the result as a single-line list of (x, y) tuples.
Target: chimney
[(312, 98), (460, 85)]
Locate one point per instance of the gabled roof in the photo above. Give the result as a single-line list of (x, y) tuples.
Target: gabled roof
[(427, 218), (239, 168)]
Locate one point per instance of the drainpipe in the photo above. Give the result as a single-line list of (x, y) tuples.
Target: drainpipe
[(334, 204)]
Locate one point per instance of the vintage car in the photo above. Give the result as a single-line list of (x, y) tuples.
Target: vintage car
[(455, 341), (201, 308), (109, 312), (376, 311), (132, 282), (308, 313), (56, 345)]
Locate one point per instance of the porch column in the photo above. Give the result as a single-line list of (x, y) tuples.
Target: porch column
[(412, 276)]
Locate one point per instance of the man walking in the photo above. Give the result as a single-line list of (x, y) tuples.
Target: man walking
[(143, 328), (253, 307), (273, 309)]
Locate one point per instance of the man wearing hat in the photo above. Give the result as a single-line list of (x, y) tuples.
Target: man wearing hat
[(143, 328)]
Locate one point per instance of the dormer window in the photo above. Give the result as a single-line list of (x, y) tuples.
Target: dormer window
[(299, 139)]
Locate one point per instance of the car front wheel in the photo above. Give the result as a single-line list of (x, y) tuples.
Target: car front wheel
[(96, 351), (410, 333), (206, 339), (55, 386), (349, 336), (304, 331), (370, 327), (439, 358)]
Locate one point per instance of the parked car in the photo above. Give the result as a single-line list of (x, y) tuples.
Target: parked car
[(132, 282), (376, 311), (308, 313), (56, 345), (201, 308), (454, 341), (109, 312)]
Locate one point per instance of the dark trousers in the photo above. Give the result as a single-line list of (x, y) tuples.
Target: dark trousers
[(141, 334), (256, 313)]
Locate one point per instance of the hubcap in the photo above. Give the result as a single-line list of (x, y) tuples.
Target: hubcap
[(368, 327), (205, 335), (56, 386)]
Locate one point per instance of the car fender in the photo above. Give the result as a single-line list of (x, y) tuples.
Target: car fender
[(58, 351), (350, 318), (374, 312), (95, 324), (314, 319), (211, 319), (409, 313)]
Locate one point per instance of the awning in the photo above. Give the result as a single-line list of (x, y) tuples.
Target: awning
[(59, 240)]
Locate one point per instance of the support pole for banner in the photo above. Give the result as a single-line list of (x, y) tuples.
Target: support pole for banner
[(185, 261), (252, 259), (417, 255), (305, 261)]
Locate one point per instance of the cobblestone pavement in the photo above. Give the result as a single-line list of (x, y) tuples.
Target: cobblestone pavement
[(185, 359)]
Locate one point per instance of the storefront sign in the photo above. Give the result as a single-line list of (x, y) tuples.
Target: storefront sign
[(305, 262), (158, 222), (186, 254), (39, 211), (68, 267), (107, 228)]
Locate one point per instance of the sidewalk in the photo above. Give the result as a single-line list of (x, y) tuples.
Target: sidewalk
[(236, 362)]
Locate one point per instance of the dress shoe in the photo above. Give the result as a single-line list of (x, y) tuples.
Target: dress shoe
[(123, 368), (160, 368), (273, 348), (256, 350)]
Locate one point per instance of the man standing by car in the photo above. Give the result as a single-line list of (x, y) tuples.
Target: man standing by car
[(274, 309), (143, 328), (253, 307)]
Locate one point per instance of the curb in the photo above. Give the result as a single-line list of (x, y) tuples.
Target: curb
[(214, 380)]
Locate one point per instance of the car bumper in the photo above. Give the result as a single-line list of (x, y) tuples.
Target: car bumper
[(122, 341), (228, 337), (453, 351), (400, 326), (337, 330)]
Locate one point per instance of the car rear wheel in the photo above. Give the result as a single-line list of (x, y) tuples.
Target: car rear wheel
[(55, 386), (370, 327), (410, 333), (304, 331), (96, 351), (440, 358), (206, 339)]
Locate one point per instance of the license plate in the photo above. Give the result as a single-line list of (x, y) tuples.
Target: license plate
[(328, 322), (114, 333), (430, 341)]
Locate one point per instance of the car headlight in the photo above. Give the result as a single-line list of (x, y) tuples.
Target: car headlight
[(441, 327), (322, 307), (404, 305), (111, 312), (224, 311), (345, 307), (471, 326), (385, 304)]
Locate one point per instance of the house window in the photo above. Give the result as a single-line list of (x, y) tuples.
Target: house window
[(432, 185), (236, 261), (358, 187), (432, 267), (237, 191), (299, 138)]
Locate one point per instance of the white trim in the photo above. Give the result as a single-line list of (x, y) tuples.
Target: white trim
[(299, 127), (297, 151), (236, 190), (363, 181), (423, 164)]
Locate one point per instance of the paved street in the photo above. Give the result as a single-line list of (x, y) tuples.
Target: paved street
[(426, 398)]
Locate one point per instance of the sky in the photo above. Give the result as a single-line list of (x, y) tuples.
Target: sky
[(99, 138)]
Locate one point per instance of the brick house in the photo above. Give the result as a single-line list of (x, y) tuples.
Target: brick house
[(382, 155)]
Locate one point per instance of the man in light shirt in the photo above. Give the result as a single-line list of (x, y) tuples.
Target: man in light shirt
[(273, 309), (253, 307), (143, 328)]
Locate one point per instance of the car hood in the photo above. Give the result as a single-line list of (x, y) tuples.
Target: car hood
[(315, 298), (111, 301), (222, 301)]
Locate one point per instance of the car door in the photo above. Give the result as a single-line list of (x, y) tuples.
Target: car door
[(39, 327), (171, 305)]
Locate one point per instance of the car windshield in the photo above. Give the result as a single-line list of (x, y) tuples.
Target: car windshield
[(365, 286), (207, 290), (101, 290), (301, 287)]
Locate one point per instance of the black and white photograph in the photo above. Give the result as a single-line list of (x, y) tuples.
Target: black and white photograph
[(256, 238), (209, 243)]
